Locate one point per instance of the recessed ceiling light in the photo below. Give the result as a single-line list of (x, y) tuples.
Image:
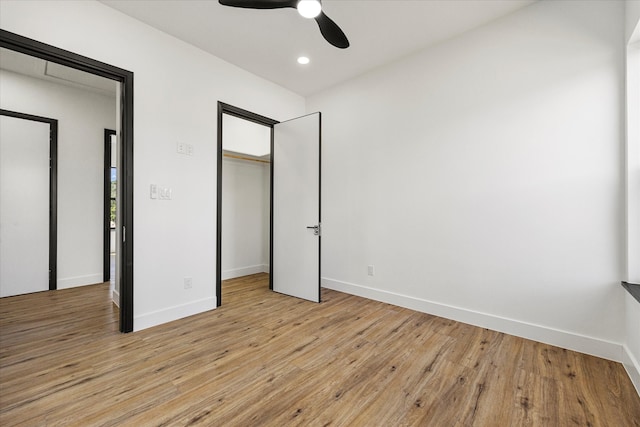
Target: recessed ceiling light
[(303, 60), (309, 8)]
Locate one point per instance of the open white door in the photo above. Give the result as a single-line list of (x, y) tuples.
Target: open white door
[(24, 206), (295, 266)]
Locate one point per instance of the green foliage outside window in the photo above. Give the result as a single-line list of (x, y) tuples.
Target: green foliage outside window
[(113, 198), (113, 213)]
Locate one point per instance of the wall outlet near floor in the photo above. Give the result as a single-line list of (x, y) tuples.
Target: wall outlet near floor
[(188, 282), (370, 270)]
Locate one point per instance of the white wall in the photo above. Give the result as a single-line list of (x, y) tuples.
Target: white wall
[(632, 148), (632, 307), (243, 136), (82, 118), (243, 223), (486, 189), (245, 199), (482, 178), (631, 356), (176, 89)]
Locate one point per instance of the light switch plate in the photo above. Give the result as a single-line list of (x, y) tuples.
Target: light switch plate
[(165, 193), (153, 191)]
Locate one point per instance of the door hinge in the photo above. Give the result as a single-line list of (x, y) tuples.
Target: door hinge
[(124, 234)]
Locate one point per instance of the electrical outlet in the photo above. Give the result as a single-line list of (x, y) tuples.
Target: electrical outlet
[(370, 270), (188, 282), (188, 149)]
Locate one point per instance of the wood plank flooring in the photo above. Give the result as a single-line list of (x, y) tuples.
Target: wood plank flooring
[(264, 359)]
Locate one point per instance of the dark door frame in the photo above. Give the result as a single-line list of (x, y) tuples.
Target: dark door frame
[(261, 120), (53, 189), (106, 236), (47, 52)]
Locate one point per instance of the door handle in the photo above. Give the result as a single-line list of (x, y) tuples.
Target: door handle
[(315, 228)]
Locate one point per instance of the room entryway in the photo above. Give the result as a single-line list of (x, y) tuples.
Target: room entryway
[(28, 200), (63, 67), (269, 201)]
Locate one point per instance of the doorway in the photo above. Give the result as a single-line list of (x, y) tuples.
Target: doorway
[(28, 194), (246, 152), (110, 211), (55, 55), (294, 202)]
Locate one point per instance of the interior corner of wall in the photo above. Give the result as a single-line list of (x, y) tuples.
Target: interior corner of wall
[(632, 367)]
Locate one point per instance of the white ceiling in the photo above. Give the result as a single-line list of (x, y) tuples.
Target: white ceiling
[(268, 42), (50, 71)]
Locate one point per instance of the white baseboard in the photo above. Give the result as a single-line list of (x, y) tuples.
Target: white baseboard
[(571, 341), (245, 271), (72, 282), (632, 367), (170, 314), (115, 297)]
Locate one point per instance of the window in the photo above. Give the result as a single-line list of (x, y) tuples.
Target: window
[(112, 212)]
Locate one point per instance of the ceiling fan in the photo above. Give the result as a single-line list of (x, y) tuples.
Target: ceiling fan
[(307, 8)]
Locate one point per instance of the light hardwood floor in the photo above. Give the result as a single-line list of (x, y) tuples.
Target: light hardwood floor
[(264, 359)]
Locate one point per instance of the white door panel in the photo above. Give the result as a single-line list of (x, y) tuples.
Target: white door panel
[(296, 206), (24, 206)]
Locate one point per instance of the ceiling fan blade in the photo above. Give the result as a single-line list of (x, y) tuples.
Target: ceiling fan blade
[(331, 31), (259, 4)]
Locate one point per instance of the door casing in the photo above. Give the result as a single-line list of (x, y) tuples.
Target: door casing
[(106, 235), (262, 120), (53, 189), (47, 52)]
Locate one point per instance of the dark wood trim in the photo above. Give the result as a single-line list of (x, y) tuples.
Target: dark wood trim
[(106, 235), (633, 289), (126, 202), (51, 53), (271, 211), (27, 116), (261, 120), (219, 210), (320, 205), (47, 52), (53, 189), (245, 114), (53, 207)]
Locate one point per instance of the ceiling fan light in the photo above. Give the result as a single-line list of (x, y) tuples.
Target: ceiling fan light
[(309, 8)]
